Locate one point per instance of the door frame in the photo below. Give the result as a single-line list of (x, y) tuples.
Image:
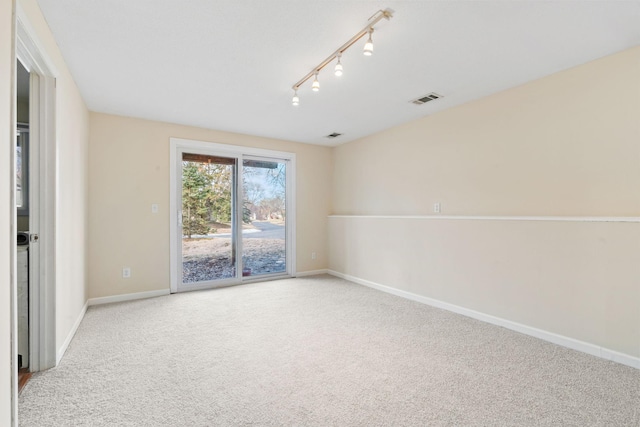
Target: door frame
[(177, 145), (42, 195)]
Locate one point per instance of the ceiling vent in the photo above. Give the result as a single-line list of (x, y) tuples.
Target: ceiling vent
[(334, 135), (427, 98)]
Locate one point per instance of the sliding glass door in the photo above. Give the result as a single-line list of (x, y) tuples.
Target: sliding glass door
[(233, 213)]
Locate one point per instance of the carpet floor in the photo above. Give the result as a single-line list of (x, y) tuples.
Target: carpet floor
[(317, 351)]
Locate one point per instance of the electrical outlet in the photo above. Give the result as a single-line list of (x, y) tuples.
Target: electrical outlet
[(436, 207), (154, 208), (126, 272), (313, 255)]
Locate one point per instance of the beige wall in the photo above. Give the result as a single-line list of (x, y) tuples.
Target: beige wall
[(129, 170), (565, 145), (6, 236), (562, 145), (575, 279)]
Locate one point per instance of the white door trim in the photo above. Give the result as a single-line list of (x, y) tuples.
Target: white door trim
[(177, 145)]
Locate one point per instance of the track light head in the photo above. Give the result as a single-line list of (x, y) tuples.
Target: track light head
[(316, 84), (295, 100), (338, 69), (368, 46)]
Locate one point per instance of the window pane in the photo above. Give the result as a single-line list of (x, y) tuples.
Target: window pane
[(208, 243), (264, 217)]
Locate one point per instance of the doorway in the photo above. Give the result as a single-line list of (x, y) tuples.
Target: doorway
[(232, 215), (35, 202), (22, 180)]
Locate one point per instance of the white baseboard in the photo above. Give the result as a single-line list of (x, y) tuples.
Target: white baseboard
[(311, 272), (63, 349), (561, 340), (128, 297)]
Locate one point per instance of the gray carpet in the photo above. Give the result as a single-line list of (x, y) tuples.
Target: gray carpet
[(317, 351)]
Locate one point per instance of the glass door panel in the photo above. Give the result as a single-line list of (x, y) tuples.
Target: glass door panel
[(232, 215), (263, 217), (208, 221)]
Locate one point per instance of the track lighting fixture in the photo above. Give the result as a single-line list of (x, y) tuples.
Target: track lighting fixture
[(368, 50), (338, 69), (368, 46)]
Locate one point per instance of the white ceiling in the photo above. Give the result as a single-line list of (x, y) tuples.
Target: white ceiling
[(230, 65)]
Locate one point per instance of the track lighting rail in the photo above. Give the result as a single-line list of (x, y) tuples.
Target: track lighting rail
[(373, 20)]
